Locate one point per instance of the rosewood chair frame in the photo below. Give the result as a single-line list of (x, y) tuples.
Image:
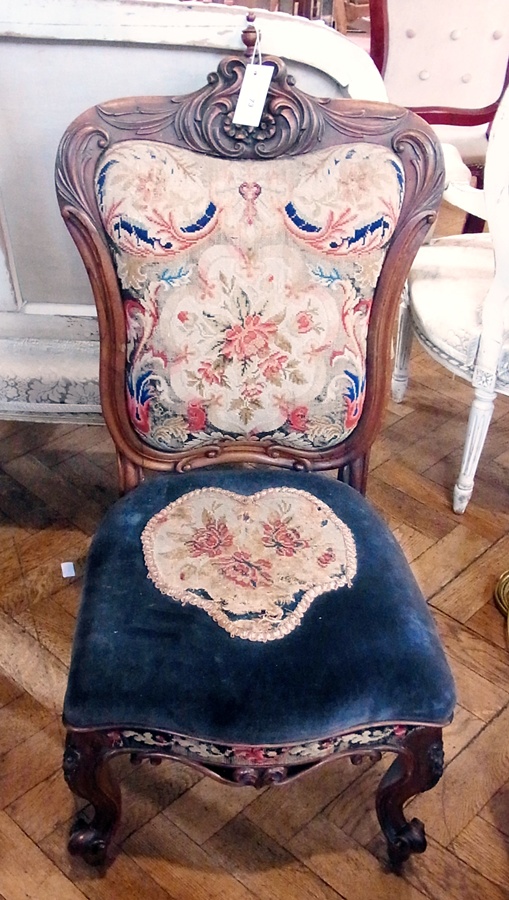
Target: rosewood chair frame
[(292, 123)]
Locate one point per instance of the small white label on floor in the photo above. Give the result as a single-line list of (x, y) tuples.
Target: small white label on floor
[(67, 569)]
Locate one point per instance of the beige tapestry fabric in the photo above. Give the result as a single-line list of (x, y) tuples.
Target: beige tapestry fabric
[(247, 288), (253, 563)]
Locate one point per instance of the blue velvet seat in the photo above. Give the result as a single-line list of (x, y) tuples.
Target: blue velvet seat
[(243, 611), (361, 657)]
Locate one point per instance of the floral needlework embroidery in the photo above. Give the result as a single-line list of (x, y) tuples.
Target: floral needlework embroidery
[(247, 288), (254, 563), (385, 737)]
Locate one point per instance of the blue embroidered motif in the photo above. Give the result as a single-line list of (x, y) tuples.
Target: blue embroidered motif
[(202, 221), (301, 223)]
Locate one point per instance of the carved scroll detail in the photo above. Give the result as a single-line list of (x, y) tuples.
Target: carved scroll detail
[(292, 121), (422, 153), (79, 148)]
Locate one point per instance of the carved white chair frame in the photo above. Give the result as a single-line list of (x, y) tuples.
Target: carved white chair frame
[(493, 203)]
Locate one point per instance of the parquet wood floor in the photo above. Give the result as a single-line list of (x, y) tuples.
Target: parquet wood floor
[(183, 836)]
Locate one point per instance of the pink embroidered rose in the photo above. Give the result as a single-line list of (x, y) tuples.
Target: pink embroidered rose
[(400, 730), (327, 557), (272, 365), (196, 416), (298, 418), (242, 571), (249, 339), (251, 390), (253, 754), (209, 374), (211, 540), (114, 738), (183, 316), (286, 541), (304, 322)]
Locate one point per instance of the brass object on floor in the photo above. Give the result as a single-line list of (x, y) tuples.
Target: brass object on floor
[(501, 594)]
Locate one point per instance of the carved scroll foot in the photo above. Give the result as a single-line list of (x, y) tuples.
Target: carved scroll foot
[(87, 842), (410, 839), (417, 768), (87, 775)]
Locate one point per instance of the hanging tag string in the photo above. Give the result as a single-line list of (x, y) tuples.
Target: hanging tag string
[(256, 49)]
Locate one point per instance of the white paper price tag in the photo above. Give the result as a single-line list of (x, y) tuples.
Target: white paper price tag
[(253, 93)]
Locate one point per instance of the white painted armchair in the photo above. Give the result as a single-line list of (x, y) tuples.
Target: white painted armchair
[(457, 305)]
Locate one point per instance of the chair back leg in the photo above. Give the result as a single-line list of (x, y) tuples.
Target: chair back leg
[(404, 335), (479, 420)]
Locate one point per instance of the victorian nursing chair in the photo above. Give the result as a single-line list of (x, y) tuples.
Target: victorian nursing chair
[(241, 611), (457, 305), (449, 62)]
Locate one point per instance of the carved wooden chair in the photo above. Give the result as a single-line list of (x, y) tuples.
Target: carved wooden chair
[(242, 611)]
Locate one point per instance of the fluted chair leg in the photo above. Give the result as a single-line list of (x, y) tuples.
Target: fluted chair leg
[(403, 347), (479, 420)]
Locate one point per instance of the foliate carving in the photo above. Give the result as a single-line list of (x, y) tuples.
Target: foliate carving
[(435, 763), (292, 121), (203, 121), (259, 777), (422, 152), (83, 146), (70, 763)]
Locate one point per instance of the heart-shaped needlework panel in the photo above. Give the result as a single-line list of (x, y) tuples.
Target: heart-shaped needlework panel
[(253, 563)]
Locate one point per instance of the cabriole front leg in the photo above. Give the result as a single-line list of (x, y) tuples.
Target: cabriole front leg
[(417, 768), (87, 775)]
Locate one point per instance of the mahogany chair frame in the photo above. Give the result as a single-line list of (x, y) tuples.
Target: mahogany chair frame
[(292, 123)]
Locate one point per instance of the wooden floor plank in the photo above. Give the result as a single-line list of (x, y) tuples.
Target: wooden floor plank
[(175, 862), (62, 499), (447, 559), (32, 667), (445, 876), (466, 594), (30, 763), (25, 871), (124, 879), (485, 849), (346, 866), (467, 784), (265, 867), (283, 811), (207, 807)]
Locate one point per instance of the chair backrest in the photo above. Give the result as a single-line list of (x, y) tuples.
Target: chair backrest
[(446, 60), (246, 277)]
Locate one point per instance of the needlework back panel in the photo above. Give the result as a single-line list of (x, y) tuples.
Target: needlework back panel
[(247, 288)]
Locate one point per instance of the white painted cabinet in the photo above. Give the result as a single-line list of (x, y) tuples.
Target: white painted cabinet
[(57, 58)]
